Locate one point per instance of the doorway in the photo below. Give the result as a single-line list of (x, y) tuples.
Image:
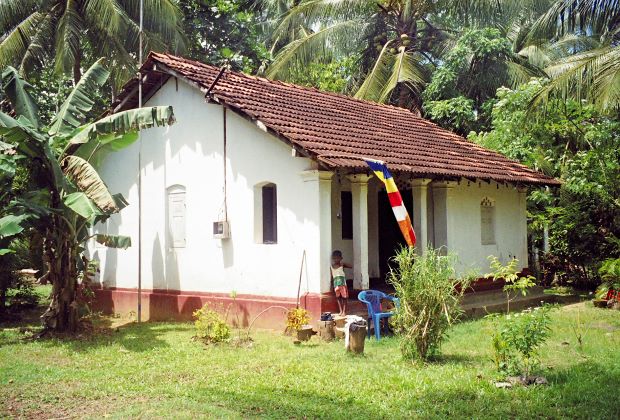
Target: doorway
[(390, 236)]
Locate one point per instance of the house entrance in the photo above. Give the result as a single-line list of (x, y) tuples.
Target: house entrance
[(390, 237)]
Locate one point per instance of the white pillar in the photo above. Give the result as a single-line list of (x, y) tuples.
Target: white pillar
[(322, 202), (373, 230), (359, 192), (523, 258), (419, 188), (443, 209)]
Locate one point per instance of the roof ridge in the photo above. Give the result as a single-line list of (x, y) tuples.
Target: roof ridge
[(307, 88)]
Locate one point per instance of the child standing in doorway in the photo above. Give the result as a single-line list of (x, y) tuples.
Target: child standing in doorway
[(340, 281)]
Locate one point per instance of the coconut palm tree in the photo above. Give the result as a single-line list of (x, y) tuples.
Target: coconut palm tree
[(68, 196), (66, 31), (399, 41), (590, 66)]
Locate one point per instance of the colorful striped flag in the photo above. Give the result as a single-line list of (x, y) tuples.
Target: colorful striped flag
[(400, 212)]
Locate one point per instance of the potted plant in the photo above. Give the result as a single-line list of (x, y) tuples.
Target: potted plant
[(297, 320)]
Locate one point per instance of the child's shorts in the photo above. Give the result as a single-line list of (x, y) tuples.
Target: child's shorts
[(342, 291)]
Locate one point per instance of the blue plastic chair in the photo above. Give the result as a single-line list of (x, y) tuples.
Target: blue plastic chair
[(372, 299)]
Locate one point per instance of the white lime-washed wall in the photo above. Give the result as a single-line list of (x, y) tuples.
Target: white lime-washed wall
[(190, 154), (457, 223)]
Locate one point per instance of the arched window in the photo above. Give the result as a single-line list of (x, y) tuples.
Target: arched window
[(266, 213), (487, 221), (176, 216)]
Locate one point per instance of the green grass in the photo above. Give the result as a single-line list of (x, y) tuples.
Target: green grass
[(155, 369)]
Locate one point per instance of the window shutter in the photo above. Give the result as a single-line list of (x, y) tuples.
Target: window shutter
[(270, 214), (346, 214), (176, 218), (487, 222)]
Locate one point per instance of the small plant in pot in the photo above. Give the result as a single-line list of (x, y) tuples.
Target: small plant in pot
[(297, 321)]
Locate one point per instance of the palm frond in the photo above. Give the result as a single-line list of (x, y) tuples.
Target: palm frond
[(13, 11), (40, 44), (406, 69), (388, 72), (68, 38), (592, 75), (316, 45), (566, 16), (312, 13), (161, 17), (15, 43), (105, 15)]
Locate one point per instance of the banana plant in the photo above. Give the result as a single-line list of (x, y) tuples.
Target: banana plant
[(69, 196)]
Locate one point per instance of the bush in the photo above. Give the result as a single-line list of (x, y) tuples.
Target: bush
[(517, 338), (429, 294), (210, 326), (610, 275), (15, 290), (296, 318)]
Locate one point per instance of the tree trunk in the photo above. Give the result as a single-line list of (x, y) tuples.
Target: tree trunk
[(61, 253), (77, 69), (2, 299)]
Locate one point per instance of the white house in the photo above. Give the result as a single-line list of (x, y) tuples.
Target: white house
[(256, 173)]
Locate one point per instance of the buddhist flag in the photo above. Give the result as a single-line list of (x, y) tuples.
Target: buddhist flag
[(400, 212)]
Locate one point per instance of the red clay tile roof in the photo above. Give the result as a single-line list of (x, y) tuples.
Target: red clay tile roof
[(338, 130)]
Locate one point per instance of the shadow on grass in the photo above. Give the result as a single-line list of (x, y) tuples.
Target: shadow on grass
[(132, 337)]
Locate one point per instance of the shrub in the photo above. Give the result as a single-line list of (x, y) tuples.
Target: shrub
[(610, 276), (429, 294), (296, 318), (517, 339), (16, 290), (210, 326)]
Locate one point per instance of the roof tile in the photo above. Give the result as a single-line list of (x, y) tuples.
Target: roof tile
[(338, 131)]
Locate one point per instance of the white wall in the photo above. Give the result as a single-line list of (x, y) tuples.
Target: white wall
[(190, 153), (464, 227)]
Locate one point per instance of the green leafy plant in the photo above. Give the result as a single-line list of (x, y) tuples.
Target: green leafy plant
[(296, 318), (517, 339), (426, 287), (610, 276), (210, 325), (65, 196), (515, 282)]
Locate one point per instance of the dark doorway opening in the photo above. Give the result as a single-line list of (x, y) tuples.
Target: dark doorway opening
[(390, 237)]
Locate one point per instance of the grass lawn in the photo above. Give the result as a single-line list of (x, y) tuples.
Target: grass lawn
[(156, 370)]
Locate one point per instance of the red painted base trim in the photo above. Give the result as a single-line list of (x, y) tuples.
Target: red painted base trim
[(164, 305)]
